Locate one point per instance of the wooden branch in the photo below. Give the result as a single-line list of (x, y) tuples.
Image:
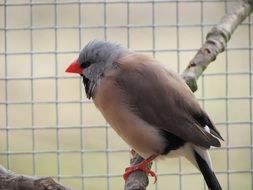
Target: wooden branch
[(11, 181), (137, 180), (216, 41)]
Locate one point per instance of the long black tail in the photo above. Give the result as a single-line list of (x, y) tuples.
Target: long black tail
[(209, 176)]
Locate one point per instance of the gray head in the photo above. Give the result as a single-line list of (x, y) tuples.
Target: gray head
[(94, 59), (100, 51)]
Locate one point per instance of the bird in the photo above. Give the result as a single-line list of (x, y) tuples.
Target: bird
[(149, 106)]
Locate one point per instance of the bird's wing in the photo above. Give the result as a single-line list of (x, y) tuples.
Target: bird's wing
[(161, 98)]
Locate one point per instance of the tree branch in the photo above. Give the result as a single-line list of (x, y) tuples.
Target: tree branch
[(137, 180), (216, 41), (11, 181)]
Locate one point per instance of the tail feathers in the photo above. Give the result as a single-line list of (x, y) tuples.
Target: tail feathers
[(209, 176)]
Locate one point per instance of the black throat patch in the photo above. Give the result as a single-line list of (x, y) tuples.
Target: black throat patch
[(89, 87)]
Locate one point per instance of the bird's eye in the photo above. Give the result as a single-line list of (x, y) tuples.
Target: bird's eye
[(85, 64)]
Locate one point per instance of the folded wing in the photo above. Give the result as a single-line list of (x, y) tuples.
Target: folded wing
[(161, 98)]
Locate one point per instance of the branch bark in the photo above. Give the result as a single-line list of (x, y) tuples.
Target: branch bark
[(12, 181), (137, 180), (216, 41)]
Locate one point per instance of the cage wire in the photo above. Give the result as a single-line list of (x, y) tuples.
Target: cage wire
[(49, 128)]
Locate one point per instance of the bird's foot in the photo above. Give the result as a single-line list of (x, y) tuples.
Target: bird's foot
[(141, 166)]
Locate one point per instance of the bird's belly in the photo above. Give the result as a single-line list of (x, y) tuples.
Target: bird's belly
[(142, 137)]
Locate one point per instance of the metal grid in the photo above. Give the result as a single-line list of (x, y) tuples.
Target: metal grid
[(47, 127)]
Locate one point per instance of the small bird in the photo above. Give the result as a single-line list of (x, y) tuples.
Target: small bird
[(150, 107)]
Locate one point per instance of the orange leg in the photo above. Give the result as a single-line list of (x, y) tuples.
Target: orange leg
[(141, 166)]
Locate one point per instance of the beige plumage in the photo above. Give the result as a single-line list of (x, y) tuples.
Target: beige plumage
[(150, 107)]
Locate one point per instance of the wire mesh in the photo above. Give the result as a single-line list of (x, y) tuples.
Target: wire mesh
[(49, 128)]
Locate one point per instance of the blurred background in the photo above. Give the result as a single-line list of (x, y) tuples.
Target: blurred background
[(49, 128)]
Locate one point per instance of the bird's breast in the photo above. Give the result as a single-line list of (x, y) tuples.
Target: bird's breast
[(142, 137)]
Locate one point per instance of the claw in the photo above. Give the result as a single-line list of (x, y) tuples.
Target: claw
[(141, 166)]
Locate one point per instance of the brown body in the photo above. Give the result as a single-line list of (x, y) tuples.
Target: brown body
[(133, 130), (150, 107), (134, 73)]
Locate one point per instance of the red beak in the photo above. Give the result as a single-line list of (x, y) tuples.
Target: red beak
[(74, 67)]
